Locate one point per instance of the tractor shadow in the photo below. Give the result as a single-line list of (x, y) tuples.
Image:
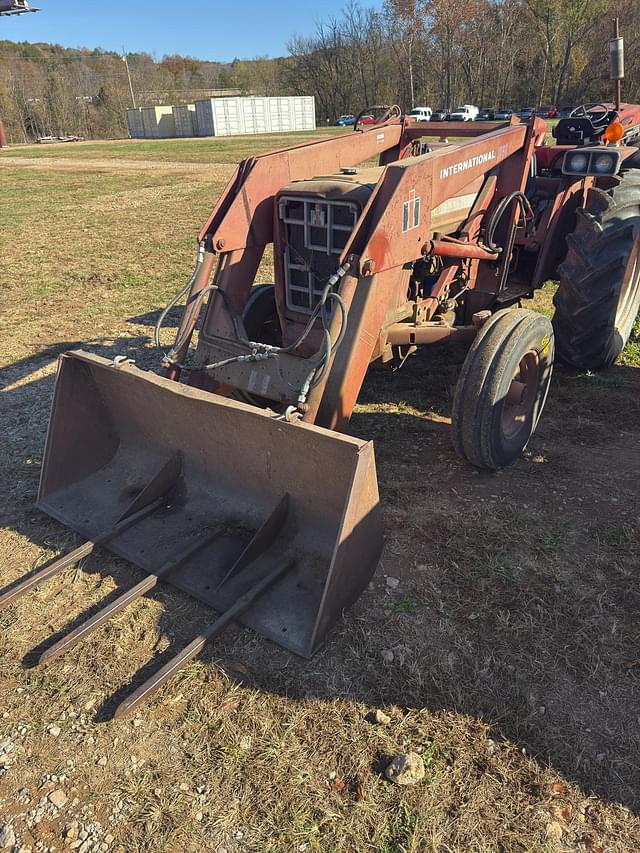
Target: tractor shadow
[(516, 601)]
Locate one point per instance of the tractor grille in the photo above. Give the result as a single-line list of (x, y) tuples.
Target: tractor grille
[(316, 232)]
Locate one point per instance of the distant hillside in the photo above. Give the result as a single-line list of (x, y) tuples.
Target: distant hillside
[(47, 89)]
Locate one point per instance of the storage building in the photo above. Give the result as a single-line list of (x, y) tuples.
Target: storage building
[(184, 116), (224, 117), (158, 122), (135, 124), (232, 116)]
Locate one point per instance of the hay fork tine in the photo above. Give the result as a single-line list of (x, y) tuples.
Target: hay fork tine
[(71, 639), (145, 502), (74, 556), (146, 690)]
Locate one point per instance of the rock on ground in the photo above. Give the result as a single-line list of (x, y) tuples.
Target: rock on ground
[(58, 798), (380, 718), (406, 769), (7, 837)]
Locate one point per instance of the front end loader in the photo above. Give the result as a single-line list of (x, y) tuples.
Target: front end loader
[(231, 474)]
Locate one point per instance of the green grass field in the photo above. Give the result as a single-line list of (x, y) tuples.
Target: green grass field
[(507, 657), (221, 150)]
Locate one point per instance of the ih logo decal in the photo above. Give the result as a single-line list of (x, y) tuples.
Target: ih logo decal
[(411, 212)]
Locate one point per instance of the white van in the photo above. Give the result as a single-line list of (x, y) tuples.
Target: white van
[(467, 112), (421, 113)]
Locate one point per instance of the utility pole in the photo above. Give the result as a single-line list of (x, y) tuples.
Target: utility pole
[(126, 65)]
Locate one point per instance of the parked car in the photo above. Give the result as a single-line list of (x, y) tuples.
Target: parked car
[(526, 113), (504, 115), (439, 115), (345, 121), (421, 113), (366, 120), (549, 111), (467, 112), (486, 115), (565, 112)]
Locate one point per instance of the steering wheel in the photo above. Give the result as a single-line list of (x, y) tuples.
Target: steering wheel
[(597, 113), (389, 112)]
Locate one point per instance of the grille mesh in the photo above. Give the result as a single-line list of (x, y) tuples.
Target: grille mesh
[(316, 232)]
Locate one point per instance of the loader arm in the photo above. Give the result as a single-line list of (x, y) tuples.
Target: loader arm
[(397, 220)]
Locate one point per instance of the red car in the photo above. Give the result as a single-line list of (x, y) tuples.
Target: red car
[(550, 111), (367, 120)]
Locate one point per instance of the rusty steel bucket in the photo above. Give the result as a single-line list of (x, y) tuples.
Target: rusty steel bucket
[(213, 495)]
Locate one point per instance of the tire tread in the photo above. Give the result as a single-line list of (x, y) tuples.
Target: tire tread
[(592, 275)]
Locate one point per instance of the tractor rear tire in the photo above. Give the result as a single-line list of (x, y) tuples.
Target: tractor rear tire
[(598, 298), (502, 388)]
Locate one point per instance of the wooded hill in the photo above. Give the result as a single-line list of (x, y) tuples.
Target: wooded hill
[(411, 52)]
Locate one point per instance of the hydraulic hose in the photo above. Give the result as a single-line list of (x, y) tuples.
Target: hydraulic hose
[(259, 351), (173, 302), (498, 213)]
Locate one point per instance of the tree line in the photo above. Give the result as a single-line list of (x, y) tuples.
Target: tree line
[(441, 53), (438, 53)]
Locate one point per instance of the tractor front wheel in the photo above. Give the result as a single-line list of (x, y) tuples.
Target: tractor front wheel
[(502, 388), (599, 294)]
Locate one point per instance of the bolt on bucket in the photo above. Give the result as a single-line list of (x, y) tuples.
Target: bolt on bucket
[(218, 497)]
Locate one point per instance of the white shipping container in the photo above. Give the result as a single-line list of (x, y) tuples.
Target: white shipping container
[(281, 114), (220, 117), (158, 122), (231, 116), (135, 123), (304, 112), (227, 117), (184, 116), (255, 115)]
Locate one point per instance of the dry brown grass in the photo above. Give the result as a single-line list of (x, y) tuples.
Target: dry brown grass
[(514, 628)]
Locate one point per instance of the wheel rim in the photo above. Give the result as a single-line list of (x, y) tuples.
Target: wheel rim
[(629, 291), (521, 396)]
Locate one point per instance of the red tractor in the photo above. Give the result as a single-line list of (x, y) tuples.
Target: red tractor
[(232, 474)]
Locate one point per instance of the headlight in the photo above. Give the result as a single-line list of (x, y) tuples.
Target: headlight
[(604, 164), (591, 161), (577, 162)]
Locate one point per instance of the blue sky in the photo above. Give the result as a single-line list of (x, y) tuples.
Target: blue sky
[(207, 30)]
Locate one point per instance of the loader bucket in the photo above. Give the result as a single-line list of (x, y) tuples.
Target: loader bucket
[(213, 494)]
